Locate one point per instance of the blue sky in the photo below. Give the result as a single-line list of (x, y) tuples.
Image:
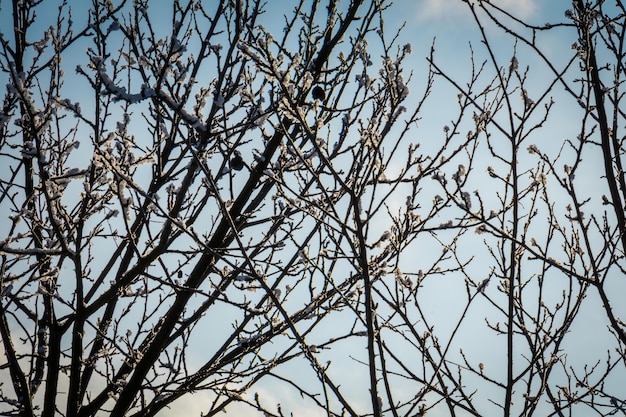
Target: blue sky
[(454, 29)]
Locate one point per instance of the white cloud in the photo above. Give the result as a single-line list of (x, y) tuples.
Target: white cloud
[(189, 405), (454, 9), (519, 8), (270, 397)]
